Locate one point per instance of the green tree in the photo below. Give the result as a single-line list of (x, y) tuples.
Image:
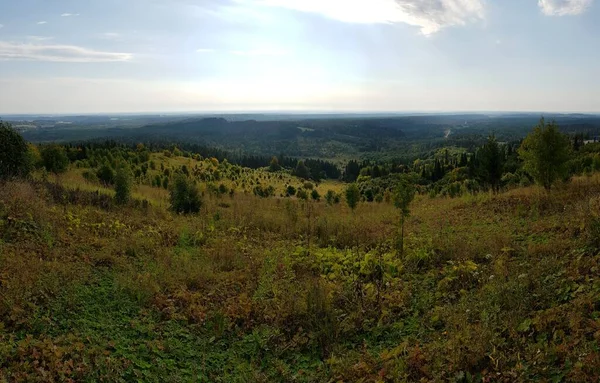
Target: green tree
[(185, 197), (491, 162), (14, 159), (106, 174), (302, 171), (404, 193), (352, 196), (54, 158), (123, 186), (545, 153), (274, 165)]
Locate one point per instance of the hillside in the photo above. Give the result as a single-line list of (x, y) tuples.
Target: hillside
[(334, 137), (489, 288)]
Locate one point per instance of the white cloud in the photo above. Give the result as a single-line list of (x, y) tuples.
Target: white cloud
[(57, 53), (429, 15), (563, 7), (42, 22), (205, 50), (69, 14)]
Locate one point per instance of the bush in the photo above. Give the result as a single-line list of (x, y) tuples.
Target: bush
[(185, 198), (352, 196), (315, 195), (54, 158), (290, 191), (302, 194), (13, 152), (106, 174), (122, 186), (330, 197), (90, 176), (264, 192)]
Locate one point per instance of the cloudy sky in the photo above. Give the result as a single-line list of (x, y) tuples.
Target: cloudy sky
[(73, 56)]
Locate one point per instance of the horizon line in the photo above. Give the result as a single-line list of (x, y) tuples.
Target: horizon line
[(294, 112)]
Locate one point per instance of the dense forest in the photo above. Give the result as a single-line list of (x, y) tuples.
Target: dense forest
[(336, 138), (428, 248)]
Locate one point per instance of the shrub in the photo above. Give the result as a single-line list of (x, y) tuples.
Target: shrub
[(315, 195), (106, 174), (352, 196), (122, 186), (290, 191), (54, 158), (264, 192), (13, 152), (302, 194), (90, 176), (185, 197), (330, 197)]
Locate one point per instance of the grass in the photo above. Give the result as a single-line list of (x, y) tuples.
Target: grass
[(490, 287)]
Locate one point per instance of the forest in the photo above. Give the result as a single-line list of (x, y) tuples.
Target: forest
[(355, 249)]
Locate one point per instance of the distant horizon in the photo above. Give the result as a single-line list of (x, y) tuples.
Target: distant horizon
[(296, 113)]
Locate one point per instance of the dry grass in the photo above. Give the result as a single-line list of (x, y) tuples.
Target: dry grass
[(496, 285)]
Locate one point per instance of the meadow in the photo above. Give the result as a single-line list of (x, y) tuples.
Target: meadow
[(489, 287)]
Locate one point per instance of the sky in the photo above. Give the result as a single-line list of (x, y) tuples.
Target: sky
[(118, 56)]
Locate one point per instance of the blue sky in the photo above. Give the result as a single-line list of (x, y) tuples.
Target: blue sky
[(74, 56)]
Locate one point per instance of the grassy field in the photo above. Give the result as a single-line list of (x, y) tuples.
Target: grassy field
[(489, 288)]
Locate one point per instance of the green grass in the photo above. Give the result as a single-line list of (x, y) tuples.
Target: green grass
[(490, 288)]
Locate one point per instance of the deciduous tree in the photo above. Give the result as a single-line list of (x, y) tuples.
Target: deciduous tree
[(13, 152), (54, 158), (545, 153)]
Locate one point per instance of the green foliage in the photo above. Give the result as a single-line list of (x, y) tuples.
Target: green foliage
[(54, 158), (315, 195), (274, 165), (302, 194), (491, 160), (13, 153), (264, 192), (290, 191), (404, 193), (123, 186), (302, 171), (106, 174), (185, 197), (330, 197), (90, 176), (90, 292), (545, 153), (352, 195)]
